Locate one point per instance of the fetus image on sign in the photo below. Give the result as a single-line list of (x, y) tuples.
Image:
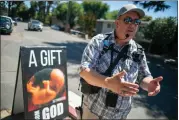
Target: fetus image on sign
[(44, 86)]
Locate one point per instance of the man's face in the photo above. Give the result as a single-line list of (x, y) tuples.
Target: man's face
[(124, 28)]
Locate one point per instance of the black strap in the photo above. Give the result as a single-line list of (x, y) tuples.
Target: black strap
[(121, 54), (105, 47)]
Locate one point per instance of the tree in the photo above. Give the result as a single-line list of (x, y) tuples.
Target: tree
[(93, 10), (162, 33), (71, 10), (111, 15), (3, 7), (23, 12), (147, 18), (75, 10), (156, 5), (49, 5), (41, 10), (13, 6), (33, 8), (61, 11), (96, 7)]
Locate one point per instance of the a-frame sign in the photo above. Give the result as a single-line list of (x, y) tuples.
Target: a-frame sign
[(41, 83)]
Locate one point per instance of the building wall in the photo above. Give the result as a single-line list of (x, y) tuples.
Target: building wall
[(104, 27), (99, 27), (107, 27)]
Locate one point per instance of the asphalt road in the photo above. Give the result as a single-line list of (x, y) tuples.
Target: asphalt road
[(163, 106)]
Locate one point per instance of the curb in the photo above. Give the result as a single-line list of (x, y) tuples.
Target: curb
[(74, 101)]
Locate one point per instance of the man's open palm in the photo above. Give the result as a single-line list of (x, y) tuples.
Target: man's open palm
[(154, 86)]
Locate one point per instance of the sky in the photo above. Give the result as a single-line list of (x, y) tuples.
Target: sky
[(116, 5), (173, 11)]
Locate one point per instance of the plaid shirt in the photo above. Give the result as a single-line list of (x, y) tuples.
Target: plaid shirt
[(96, 102)]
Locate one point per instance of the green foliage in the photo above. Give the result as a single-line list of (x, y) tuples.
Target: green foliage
[(162, 32), (68, 11), (93, 10), (87, 23), (23, 12), (32, 10), (48, 19), (75, 10), (61, 11), (41, 11), (111, 15), (147, 18), (96, 7), (3, 10)]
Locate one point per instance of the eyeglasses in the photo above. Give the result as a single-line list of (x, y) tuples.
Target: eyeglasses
[(128, 20)]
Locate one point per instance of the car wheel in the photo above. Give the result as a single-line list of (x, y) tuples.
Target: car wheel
[(9, 33)]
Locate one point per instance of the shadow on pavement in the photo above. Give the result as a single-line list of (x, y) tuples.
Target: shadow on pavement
[(74, 50), (165, 102)]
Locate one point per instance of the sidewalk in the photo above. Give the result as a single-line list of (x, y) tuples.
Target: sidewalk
[(137, 112)]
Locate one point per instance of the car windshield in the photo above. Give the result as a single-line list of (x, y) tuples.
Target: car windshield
[(35, 22), (4, 19)]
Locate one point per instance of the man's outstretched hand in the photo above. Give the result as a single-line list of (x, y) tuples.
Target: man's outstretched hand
[(123, 88), (154, 86)]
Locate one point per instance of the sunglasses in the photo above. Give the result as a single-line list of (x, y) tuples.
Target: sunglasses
[(128, 20)]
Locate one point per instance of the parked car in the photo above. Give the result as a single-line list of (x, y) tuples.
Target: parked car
[(14, 23), (76, 32), (35, 25), (18, 19), (57, 27), (6, 25)]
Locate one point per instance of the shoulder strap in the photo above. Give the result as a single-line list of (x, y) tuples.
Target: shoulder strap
[(121, 54), (137, 56), (139, 47), (106, 47)]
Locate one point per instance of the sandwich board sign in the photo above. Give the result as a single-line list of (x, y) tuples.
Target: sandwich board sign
[(41, 83)]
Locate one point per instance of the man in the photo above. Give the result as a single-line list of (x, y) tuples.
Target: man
[(121, 80)]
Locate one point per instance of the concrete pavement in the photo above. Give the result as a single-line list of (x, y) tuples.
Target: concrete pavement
[(9, 57)]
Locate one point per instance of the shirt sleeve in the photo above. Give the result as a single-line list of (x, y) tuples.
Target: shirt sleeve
[(143, 69), (91, 53)]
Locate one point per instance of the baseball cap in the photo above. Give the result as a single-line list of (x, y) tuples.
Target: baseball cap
[(130, 7)]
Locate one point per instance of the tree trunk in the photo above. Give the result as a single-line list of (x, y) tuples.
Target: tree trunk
[(9, 8)]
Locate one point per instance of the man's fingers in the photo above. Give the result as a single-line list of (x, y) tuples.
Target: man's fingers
[(127, 94), (128, 84), (150, 93), (158, 79), (154, 93), (130, 90)]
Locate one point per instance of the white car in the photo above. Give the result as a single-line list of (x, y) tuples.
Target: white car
[(35, 25)]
